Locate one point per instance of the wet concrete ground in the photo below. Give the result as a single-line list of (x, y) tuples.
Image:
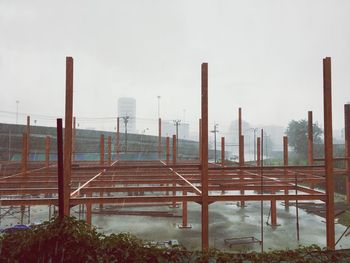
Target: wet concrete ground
[(226, 220)]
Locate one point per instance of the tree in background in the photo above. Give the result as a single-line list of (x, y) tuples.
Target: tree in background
[(297, 136)]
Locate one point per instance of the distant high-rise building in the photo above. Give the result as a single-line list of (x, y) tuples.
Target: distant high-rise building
[(127, 108)]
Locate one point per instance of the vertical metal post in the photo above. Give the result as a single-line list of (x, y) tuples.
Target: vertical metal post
[(109, 150), (328, 152), (28, 136), (102, 149), (74, 139), (174, 149), (273, 212), (241, 163), (184, 211), (262, 191), (159, 138), (67, 157), (88, 212), (167, 150), (347, 148), (239, 123), (167, 157), (204, 159), (200, 140), (174, 163), (310, 138), (47, 151), (258, 147), (222, 151), (310, 142), (60, 170), (117, 142), (285, 163)]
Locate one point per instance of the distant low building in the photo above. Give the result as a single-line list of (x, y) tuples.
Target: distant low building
[(169, 129)]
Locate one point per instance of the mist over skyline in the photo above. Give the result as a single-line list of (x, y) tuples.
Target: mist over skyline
[(264, 56)]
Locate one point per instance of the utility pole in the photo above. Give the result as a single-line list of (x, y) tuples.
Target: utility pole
[(255, 130), (215, 131), (126, 119), (177, 123)]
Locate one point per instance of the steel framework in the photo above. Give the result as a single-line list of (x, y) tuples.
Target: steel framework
[(69, 183)]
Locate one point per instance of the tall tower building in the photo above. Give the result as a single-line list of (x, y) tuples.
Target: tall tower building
[(127, 108)]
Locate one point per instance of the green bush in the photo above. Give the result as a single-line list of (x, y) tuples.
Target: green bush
[(71, 240)]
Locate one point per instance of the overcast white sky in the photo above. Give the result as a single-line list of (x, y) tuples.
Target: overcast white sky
[(264, 56)]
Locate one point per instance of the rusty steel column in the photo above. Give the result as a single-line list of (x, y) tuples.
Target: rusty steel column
[(47, 151), (310, 139), (204, 157), (25, 153), (117, 141), (328, 152), (67, 157), (239, 123), (102, 149), (347, 136), (167, 157), (347, 149), (88, 212), (273, 212), (174, 163), (200, 139), (258, 157), (184, 224), (109, 149), (285, 163), (74, 139), (174, 149), (167, 150), (310, 142), (184, 211), (28, 136), (60, 170), (222, 151), (241, 162), (160, 138)]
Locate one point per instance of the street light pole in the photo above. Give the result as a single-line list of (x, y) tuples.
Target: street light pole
[(215, 131), (125, 119), (177, 123)]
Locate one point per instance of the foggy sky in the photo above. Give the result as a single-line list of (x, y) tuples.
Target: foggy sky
[(264, 56)]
